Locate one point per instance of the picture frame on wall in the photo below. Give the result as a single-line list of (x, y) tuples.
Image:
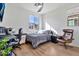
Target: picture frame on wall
[(2, 7), (73, 20)]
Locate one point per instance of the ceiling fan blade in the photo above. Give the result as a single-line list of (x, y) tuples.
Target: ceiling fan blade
[(39, 5), (40, 9)]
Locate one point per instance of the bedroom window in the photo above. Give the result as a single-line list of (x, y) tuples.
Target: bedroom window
[(33, 22), (73, 20)]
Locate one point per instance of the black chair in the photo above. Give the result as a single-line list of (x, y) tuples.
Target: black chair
[(18, 37)]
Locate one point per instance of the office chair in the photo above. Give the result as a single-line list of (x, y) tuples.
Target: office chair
[(18, 39)]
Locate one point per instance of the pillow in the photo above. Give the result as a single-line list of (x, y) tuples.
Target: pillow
[(68, 36), (40, 31), (48, 32), (45, 32)]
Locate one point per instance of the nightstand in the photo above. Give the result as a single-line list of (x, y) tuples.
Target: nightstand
[(54, 39)]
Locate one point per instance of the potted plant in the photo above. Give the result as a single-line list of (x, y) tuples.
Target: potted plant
[(5, 50)]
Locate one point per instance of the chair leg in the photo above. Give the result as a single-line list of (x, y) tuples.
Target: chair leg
[(65, 45), (14, 53), (17, 46)]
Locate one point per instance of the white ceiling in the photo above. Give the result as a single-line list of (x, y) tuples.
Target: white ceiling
[(48, 6)]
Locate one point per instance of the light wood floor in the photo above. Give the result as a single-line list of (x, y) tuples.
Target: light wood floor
[(46, 49)]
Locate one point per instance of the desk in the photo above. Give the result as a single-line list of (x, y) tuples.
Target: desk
[(23, 37)]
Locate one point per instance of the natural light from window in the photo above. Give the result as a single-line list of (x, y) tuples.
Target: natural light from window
[(33, 22), (48, 27)]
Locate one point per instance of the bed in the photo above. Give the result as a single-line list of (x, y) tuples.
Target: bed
[(38, 38)]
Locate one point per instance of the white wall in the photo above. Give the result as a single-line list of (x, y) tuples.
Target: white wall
[(17, 17), (57, 19)]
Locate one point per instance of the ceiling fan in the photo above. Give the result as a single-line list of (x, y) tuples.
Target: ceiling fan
[(40, 6)]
